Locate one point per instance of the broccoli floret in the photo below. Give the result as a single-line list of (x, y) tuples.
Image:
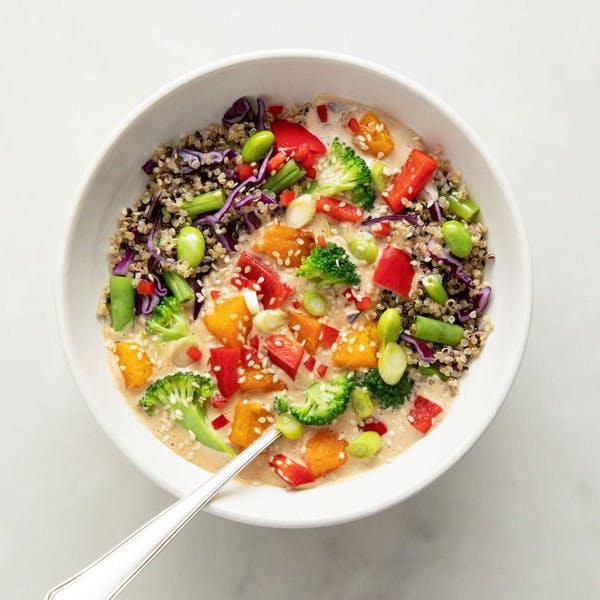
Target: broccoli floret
[(327, 265), (347, 173), (388, 396), (184, 394), (280, 405), (168, 320), (324, 401)]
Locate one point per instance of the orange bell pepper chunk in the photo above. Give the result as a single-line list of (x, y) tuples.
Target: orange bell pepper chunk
[(281, 241), (306, 328), (134, 363), (249, 421), (359, 350), (230, 322), (325, 452), (377, 137)]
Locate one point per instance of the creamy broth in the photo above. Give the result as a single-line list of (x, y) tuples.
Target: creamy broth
[(400, 436)]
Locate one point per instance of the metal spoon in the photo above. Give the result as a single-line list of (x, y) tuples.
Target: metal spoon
[(106, 578)]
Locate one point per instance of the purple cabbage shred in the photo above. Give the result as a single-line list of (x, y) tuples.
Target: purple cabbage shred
[(456, 267), (422, 349), (145, 304), (394, 217), (123, 265), (480, 302), (435, 210), (238, 112), (148, 166)]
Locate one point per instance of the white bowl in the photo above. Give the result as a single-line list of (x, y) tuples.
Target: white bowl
[(193, 102)]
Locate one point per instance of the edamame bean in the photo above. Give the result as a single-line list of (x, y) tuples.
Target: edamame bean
[(362, 405), (363, 246), (434, 288), (257, 146), (365, 445), (290, 427), (457, 238), (314, 302), (392, 363), (389, 326), (190, 246), (380, 179)]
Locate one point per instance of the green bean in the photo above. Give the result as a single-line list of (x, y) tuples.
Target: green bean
[(389, 325), (289, 426), (439, 332), (457, 238), (362, 405), (432, 372), (365, 445), (204, 203), (434, 288), (465, 209), (380, 179), (392, 363), (286, 177), (257, 146), (363, 246), (314, 302), (121, 301), (190, 246), (179, 287)]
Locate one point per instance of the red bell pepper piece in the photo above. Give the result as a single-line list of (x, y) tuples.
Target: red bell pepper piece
[(349, 295), (321, 240), (273, 290), (289, 136), (275, 109), (365, 303), (194, 353), (381, 229), (375, 425), (285, 353), (244, 171), (214, 294), (394, 271), (422, 413), (291, 472), (219, 401), (340, 210), (224, 364), (241, 282), (417, 170), (310, 363), (328, 336), (311, 173), (301, 153), (250, 355), (322, 112), (321, 370), (254, 342), (287, 197), (145, 288), (276, 162), (297, 305), (353, 125), (219, 422)]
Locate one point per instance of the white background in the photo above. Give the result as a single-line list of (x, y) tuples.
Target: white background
[(519, 516)]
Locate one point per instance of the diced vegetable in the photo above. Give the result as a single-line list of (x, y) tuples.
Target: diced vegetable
[(322, 112), (439, 332), (134, 364), (422, 413), (245, 171), (375, 425), (180, 356), (122, 301), (392, 363), (219, 422), (194, 353), (275, 109), (287, 243), (362, 405), (465, 209), (340, 210), (276, 162), (179, 287), (359, 350), (259, 380), (268, 321), (394, 271), (250, 419), (291, 472), (325, 452), (416, 172), (284, 353), (230, 322), (310, 363), (204, 203), (289, 426), (322, 370), (286, 197), (376, 135), (145, 288), (289, 136), (328, 336), (353, 125), (274, 291), (365, 445), (224, 364), (219, 401), (306, 328), (381, 229)]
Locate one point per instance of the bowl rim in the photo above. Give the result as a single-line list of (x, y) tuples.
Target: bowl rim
[(519, 345)]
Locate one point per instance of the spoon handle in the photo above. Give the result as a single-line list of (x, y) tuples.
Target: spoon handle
[(106, 577)]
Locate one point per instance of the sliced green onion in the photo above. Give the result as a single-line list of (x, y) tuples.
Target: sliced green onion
[(286, 177), (465, 209), (380, 179), (301, 211), (392, 363), (251, 300), (204, 203), (314, 302), (389, 325), (439, 332), (179, 287), (289, 426), (432, 372), (179, 351), (269, 320), (365, 445), (435, 289), (362, 405), (363, 246)]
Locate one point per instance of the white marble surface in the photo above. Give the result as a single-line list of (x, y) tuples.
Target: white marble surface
[(519, 516)]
